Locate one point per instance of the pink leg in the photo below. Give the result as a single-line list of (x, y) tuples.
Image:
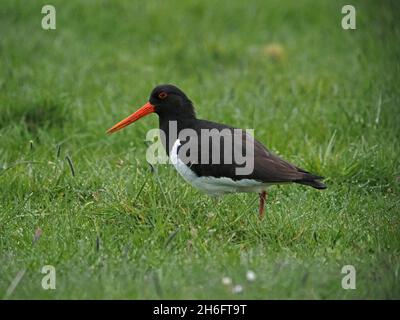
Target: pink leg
[(263, 197)]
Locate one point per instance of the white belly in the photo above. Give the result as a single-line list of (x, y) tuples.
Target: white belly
[(212, 185)]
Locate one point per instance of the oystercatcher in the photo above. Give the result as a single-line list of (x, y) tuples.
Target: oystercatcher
[(215, 168)]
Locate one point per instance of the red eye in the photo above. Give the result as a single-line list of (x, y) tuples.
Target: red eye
[(162, 95)]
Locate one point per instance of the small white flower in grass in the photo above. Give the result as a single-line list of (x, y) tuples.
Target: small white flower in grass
[(226, 281), (237, 289), (251, 276)]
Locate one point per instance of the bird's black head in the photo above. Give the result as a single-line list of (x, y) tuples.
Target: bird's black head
[(167, 100), (171, 102)]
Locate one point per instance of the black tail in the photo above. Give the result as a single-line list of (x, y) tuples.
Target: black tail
[(311, 180)]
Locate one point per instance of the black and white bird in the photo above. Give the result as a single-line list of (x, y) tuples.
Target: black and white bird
[(215, 177)]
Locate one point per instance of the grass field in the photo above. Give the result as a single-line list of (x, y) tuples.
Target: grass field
[(325, 98)]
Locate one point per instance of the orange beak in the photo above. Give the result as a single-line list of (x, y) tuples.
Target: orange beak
[(143, 111)]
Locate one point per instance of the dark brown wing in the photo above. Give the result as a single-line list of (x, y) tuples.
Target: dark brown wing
[(268, 167), (271, 168)]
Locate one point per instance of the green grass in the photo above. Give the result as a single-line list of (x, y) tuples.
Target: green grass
[(116, 229)]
